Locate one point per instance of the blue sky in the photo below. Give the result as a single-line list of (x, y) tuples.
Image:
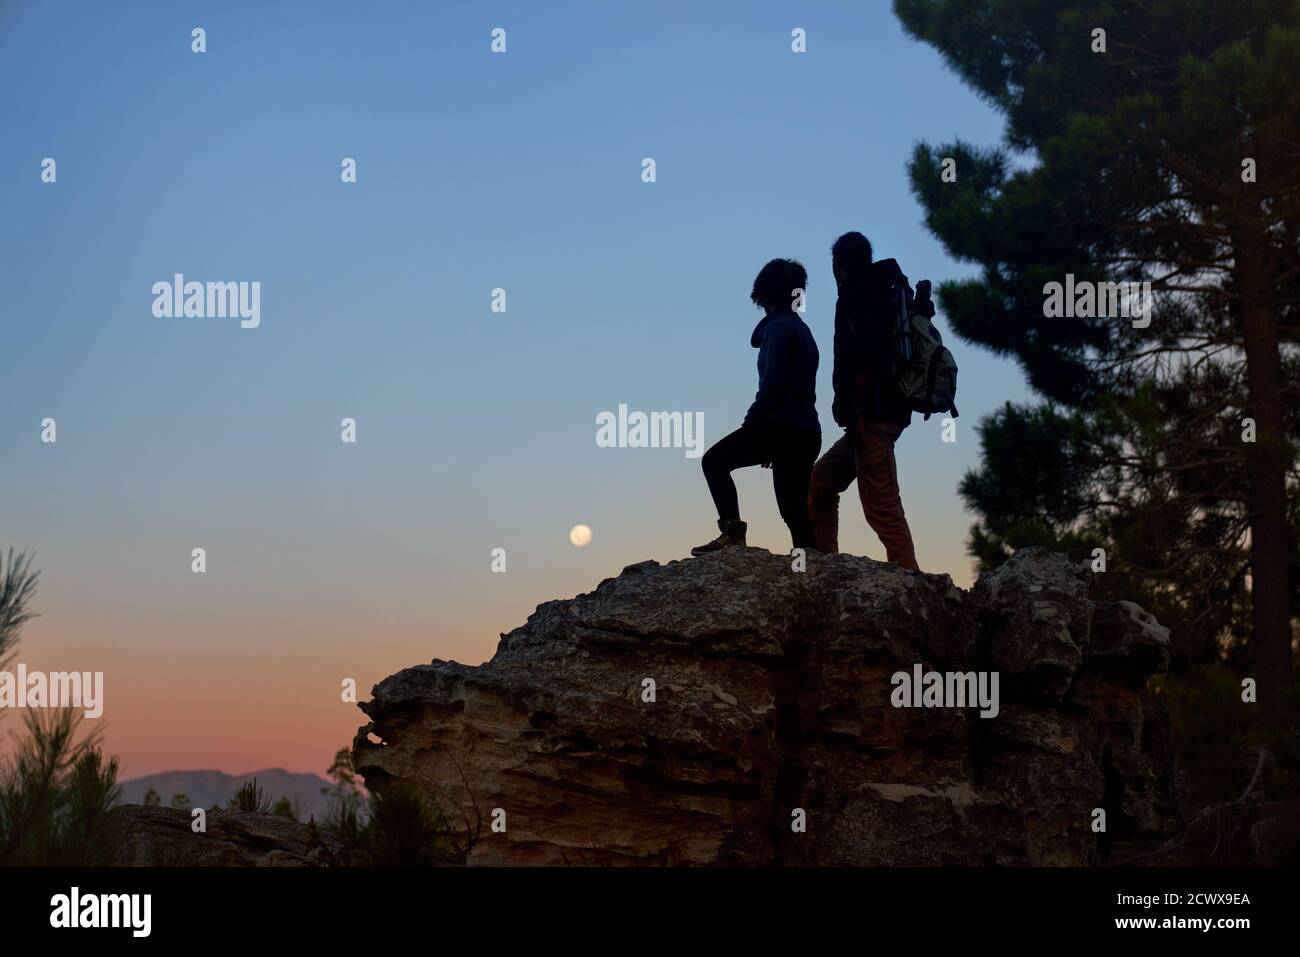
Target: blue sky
[(475, 429)]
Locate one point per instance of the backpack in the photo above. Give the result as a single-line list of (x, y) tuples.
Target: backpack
[(923, 369)]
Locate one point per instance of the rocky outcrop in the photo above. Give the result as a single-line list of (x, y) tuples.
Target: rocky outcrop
[(162, 837), (732, 710)]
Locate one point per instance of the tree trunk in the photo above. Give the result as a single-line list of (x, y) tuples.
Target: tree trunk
[(1266, 468)]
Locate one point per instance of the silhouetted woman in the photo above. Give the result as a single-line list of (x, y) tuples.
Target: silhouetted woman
[(781, 427)]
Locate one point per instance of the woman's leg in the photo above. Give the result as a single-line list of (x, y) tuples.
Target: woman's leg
[(741, 448), (791, 473)]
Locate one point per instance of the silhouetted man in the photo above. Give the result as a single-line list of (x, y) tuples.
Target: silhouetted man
[(867, 405)]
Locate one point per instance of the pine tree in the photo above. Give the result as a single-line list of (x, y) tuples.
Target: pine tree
[(56, 790), (1144, 142)]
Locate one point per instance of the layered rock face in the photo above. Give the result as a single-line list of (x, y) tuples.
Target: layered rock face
[(731, 710)]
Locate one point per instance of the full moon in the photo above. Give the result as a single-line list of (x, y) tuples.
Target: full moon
[(580, 535)]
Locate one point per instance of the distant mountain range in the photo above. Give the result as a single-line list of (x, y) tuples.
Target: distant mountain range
[(209, 789)]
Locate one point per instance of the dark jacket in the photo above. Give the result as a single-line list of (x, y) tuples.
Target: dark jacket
[(787, 372), (864, 352)]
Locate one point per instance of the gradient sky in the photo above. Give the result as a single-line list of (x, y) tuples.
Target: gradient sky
[(476, 430)]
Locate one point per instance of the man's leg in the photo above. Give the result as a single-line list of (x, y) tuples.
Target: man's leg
[(833, 473), (878, 488), (792, 467)]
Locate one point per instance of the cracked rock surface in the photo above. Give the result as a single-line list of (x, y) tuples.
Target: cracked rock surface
[(693, 713)]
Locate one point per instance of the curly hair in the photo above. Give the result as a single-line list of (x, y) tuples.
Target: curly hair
[(775, 284)]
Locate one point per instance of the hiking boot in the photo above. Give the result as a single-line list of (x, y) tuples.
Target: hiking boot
[(733, 533)]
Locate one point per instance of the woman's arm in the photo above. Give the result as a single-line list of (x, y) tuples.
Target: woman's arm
[(773, 364)]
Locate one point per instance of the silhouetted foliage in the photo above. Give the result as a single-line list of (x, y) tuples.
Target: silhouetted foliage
[(288, 809), (56, 792), (17, 585), (392, 828), (84, 822), (251, 799)]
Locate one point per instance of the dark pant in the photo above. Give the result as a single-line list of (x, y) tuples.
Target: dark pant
[(790, 451), (865, 453)]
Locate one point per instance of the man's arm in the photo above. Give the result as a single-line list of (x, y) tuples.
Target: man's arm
[(845, 367)]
